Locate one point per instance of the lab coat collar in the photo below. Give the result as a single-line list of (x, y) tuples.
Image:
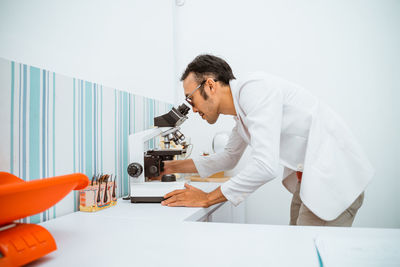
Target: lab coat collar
[(233, 86)]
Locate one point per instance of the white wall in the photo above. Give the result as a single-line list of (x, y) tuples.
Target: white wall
[(126, 45), (345, 52)]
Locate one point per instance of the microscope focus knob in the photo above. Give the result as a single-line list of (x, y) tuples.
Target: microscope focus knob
[(153, 170), (135, 169)]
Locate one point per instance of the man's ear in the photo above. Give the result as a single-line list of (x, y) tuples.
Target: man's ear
[(211, 85)]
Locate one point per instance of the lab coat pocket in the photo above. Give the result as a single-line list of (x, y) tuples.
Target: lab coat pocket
[(329, 148), (325, 154)]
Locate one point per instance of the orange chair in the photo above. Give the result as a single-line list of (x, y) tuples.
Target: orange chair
[(22, 243)]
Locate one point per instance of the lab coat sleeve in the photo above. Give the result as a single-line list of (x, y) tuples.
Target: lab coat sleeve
[(225, 160), (262, 104)]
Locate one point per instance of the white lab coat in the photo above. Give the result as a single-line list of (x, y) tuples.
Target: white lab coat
[(287, 126)]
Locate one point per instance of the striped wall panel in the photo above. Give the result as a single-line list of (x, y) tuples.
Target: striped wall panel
[(53, 125)]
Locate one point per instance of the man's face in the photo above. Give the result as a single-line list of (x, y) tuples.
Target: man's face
[(207, 109)]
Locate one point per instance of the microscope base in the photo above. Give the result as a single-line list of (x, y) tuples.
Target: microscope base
[(153, 192), (147, 199)]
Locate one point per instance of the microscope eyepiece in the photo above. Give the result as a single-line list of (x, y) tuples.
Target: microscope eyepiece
[(183, 109), (173, 118)]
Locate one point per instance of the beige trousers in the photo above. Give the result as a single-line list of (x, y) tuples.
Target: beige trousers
[(301, 215)]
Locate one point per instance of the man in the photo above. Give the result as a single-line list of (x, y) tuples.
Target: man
[(285, 125)]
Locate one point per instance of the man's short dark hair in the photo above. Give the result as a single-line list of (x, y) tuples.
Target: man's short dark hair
[(205, 66)]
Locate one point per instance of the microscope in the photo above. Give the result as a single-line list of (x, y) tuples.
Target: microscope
[(150, 163)]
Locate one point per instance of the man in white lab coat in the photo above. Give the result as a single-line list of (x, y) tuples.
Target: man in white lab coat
[(324, 167)]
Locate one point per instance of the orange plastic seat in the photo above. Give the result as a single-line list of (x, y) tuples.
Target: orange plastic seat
[(23, 243), (19, 199)]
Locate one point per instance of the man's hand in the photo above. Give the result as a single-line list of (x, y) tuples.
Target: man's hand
[(189, 197), (166, 170), (158, 178)]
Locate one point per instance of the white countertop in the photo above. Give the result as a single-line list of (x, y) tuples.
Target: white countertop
[(155, 212), (154, 235)]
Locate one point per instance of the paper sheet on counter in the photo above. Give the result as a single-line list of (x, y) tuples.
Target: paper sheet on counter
[(360, 251)]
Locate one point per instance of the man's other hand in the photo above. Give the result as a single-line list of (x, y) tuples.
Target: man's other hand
[(166, 170), (158, 178), (188, 197)]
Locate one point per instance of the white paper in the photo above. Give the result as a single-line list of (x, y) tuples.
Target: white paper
[(358, 251)]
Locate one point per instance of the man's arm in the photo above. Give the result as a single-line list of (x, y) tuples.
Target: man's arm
[(224, 160), (194, 197), (262, 104), (179, 166)]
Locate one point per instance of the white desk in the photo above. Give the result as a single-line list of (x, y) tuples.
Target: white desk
[(153, 235)]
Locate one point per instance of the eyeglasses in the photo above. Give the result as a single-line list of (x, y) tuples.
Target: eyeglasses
[(189, 97)]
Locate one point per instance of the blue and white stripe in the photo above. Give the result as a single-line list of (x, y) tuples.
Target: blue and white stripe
[(31, 124), (59, 125)]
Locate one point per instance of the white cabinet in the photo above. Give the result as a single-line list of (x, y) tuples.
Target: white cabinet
[(227, 213)]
